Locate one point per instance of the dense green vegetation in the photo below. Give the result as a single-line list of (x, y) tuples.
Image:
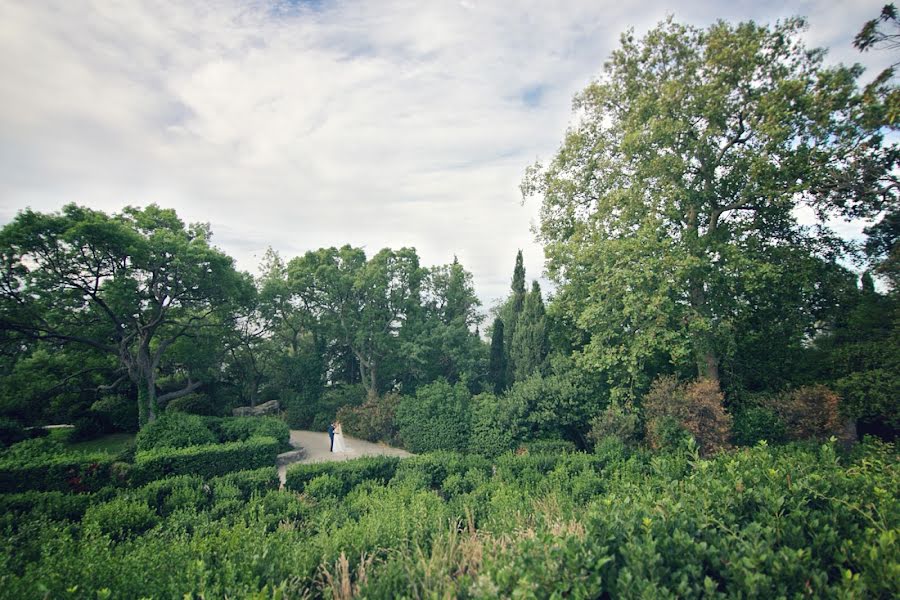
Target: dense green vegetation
[(680, 418), (762, 522)]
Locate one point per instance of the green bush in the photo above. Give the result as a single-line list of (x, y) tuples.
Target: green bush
[(121, 412), (56, 506), (433, 469), (174, 430), (167, 495), (11, 432), (437, 418), (207, 460), (497, 424), (374, 420), (549, 447), (756, 423), (239, 429), (350, 473), (617, 421), (45, 465), (249, 482), (120, 518), (194, 404)]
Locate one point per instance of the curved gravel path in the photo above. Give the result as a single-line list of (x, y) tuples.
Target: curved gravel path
[(316, 449)]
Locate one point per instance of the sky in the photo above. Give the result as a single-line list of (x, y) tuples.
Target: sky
[(299, 125)]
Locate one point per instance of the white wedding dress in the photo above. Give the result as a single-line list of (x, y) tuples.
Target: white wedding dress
[(340, 445)]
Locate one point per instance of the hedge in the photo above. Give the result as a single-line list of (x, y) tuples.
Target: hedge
[(208, 460), (349, 473), (56, 506), (239, 429), (62, 473)]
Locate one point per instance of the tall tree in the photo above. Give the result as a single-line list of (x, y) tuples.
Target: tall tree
[(363, 303), (497, 367), (529, 346), (135, 285), (671, 206), (510, 312)]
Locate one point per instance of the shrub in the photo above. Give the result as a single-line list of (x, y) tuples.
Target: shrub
[(174, 430), (497, 424), (871, 396), (207, 460), (437, 418), (120, 412), (11, 432), (120, 518), (89, 427), (374, 420), (351, 473), (810, 412), (616, 421), (239, 429), (432, 470), (194, 404), (549, 447), (324, 486), (43, 464), (696, 406), (249, 482), (756, 423), (167, 495), (56, 506)]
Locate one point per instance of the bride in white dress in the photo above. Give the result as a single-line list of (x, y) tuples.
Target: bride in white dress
[(340, 445)]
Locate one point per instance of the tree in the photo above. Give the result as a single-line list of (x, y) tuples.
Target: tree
[(362, 304), (882, 95), (134, 285), (497, 367), (510, 312), (529, 346), (671, 207)]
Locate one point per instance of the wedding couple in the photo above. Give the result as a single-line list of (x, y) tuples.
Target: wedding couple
[(336, 433)]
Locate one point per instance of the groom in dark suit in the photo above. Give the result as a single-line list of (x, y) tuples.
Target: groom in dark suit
[(331, 436)]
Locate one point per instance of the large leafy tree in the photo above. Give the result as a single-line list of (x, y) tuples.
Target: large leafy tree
[(135, 285), (362, 304), (670, 211)]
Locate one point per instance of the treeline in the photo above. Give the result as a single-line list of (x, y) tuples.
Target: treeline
[(689, 297)]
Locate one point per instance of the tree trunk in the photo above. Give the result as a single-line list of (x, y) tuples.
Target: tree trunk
[(147, 407)]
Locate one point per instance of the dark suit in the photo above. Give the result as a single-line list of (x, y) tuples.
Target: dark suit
[(331, 436)]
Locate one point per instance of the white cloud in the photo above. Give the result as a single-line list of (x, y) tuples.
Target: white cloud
[(299, 125)]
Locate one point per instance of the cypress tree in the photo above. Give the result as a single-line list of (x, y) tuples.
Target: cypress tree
[(497, 368), (530, 347), (510, 314)]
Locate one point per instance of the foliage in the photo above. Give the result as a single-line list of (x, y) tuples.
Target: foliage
[(194, 404), (207, 460), (757, 423), (349, 473), (617, 421), (175, 430), (374, 420), (239, 429), (497, 424), (529, 346), (120, 412), (669, 212), (497, 365), (40, 465), (436, 418), (697, 407), (139, 286), (790, 521), (810, 412), (120, 518), (11, 432)]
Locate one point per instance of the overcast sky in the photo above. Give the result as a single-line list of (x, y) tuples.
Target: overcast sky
[(299, 125)]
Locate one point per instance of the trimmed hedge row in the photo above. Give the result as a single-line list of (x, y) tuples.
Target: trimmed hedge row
[(208, 460), (62, 473), (349, 473), (239, 429)]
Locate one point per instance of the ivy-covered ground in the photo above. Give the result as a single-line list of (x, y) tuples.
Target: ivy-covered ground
[(765, 522)]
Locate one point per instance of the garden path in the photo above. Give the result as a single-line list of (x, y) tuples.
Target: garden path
[(316, 448)]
